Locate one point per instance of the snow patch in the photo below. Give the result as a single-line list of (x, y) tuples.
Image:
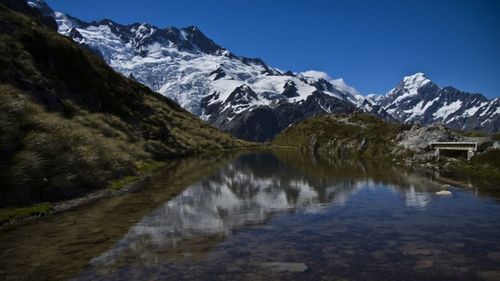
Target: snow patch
[(471, 111), (447, 109), (409, 86)]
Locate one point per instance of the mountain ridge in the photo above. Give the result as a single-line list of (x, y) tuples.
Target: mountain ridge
[(416, 99), (186, 66), (200, 75)]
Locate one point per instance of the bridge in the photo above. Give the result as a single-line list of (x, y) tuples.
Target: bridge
[(469, 146)]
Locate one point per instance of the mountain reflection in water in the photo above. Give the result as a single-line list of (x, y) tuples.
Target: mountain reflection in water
[(266, 216), (249, 191)]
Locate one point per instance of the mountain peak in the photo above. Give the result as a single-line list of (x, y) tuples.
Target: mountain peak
[(192, 28), (106, 21), (409, 86), (417, 80)]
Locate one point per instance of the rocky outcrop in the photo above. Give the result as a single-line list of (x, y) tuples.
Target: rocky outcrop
[(418, 138)]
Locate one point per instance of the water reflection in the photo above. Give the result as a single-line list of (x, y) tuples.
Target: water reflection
[(417, 199), (249, 191), (235, 215)]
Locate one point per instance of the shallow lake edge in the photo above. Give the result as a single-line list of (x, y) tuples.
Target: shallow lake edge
[(144, 178)]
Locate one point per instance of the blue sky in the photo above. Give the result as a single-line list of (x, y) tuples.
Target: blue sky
[(371, 44)]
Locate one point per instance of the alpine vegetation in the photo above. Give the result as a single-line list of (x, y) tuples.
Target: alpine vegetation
[(70, 124)]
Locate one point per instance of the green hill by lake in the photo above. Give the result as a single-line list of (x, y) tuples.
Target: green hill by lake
[(69, 124)]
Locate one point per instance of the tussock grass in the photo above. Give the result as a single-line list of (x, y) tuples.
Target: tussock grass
[(121, 183), (19, 213), (70, 124), (49, 157)]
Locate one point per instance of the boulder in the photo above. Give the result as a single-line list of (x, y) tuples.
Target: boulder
[(444, 193), (296, 267), (418, 138)]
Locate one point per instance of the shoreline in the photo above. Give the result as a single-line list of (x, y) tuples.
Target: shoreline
[(143, 179), (138, 182), (84, 200)]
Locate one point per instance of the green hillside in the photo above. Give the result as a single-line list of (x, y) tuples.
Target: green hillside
[(358, 135), (366, 136), (69, 124)]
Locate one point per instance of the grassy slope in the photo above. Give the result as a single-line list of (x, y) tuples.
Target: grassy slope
[(70, 124), (342, 135)]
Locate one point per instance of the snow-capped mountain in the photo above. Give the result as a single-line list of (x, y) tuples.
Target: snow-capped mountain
[(243, 96), (416, 99), (246, 97)]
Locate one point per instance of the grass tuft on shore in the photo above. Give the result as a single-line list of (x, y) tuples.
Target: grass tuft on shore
[(39, 210)]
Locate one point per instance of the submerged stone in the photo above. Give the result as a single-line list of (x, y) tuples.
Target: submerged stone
[(444, 193), (495, 256), (424, 264), (490, 275), (296, 267)]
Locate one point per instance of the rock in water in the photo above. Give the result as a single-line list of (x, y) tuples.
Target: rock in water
[(296, 267), (444, 193)]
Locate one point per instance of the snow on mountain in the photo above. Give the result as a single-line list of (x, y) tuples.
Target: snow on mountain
[(416, 99), (409, 86), (208, 80), (250, 99), (346, 91)]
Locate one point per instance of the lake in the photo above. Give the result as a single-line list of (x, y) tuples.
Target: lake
[(266, 216)]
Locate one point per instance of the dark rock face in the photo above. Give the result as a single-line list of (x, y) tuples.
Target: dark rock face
[(263, 123), (260, 124), (243, 95), (75, 34), (256, 61), (201, 41), (290, 90), (377, 110), (218, 73)]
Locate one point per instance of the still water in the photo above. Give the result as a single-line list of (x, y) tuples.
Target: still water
[(266, 216)]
